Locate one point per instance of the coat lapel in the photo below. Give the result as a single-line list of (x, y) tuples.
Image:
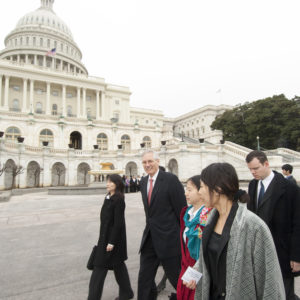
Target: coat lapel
[(144, 191)]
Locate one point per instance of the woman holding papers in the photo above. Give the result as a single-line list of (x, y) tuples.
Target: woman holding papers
[(192, 221), (238, 258)]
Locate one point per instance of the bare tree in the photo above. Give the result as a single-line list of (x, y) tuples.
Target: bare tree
[(59, 172), (15, 171), (2, 169), (84, 169)]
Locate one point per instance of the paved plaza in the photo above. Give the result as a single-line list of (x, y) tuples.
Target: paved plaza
[(45, 241)]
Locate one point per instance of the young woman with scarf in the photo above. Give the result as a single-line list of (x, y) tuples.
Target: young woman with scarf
[(192, 221)]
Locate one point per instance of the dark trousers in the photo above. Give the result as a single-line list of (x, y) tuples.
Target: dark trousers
[(289, 288), (149, 263), (98, 278)]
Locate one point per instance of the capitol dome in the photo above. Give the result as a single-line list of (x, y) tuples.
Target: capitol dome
[(39, 32)]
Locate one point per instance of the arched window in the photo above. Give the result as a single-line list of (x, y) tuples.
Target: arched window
[(125, 142), (102, 141), (46, 135), (39, 108), (16, 105), (12, 133), (54, 109), (147, 141)]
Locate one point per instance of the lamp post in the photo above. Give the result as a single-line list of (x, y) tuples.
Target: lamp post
[(258, 146)]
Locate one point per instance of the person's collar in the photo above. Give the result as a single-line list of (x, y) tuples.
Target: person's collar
[(268, 179), (154, 176)]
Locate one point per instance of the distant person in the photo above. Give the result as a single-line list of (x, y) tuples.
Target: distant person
[(163, 198), (131, 184), (192, 222), (161, 168), (287, 171), (112, 247), (138, 183), (277, 201), (238, 258)]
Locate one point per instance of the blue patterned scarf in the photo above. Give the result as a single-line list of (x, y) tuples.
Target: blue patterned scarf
[(193, 234)]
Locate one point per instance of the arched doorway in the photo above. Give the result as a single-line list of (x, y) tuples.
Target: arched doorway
[(131, 169), (76, 140), (58, 174), (9, 176), (83, 177), (173, 166), (33, 174)]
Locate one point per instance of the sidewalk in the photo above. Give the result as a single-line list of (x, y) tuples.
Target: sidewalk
[(45, 241)]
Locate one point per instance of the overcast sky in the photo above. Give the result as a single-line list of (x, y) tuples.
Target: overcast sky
[(175, 55)]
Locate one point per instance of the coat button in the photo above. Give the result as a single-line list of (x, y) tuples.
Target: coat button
[(223, 294)]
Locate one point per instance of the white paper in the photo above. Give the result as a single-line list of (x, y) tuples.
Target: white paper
[(191, 274)]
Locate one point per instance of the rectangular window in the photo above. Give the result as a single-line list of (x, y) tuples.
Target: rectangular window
[(55, 93), (69, 95), (16, 88)]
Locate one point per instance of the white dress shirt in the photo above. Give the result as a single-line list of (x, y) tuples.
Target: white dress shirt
[(153, 182), (266, 182)]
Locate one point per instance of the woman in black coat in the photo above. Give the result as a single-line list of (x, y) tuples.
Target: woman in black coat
[(112, 248)]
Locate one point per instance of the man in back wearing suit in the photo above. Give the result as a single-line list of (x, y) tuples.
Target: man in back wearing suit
[(287, 171), (163, 198), (277, 201)]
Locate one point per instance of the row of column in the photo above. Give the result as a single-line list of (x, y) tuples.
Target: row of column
[(53, 63), (100, 98)]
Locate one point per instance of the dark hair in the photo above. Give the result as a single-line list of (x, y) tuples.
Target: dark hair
[(117, 180), (195, 180), (222, 178), (287, 167), (261, 156)]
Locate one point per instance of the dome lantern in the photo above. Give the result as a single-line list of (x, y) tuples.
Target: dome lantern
[(47, 4)]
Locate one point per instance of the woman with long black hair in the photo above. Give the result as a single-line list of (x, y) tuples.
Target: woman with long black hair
[(112, 246)]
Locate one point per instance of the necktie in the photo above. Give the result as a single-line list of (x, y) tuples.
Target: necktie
[(150, 190), (261, 194)]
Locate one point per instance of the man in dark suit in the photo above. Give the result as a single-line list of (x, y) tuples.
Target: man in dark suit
[(277, 201), (163, 198), (287, 171)]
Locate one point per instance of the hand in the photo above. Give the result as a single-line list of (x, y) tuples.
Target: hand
[(109, 247), (191, 284), (295, 266)]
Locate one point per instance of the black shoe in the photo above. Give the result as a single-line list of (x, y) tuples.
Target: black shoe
[(130, 297), (173, 296)]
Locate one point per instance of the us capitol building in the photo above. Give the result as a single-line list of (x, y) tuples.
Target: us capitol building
[(57, 122)]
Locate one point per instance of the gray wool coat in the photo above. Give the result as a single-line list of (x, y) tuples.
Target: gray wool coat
[(252, 267)]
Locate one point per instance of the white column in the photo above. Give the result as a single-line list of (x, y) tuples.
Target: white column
[(18, 59), (44, 61), (48, 111), (53, 63), (6, 91), (24, 104), (31, 108), (97, 105), (35, 60), (26, 59), (64, 100), (84, 103), (102, 104), (1, 90), (69, 68), (78, 102)]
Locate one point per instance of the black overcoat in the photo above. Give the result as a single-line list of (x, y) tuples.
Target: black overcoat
[(163, 214), (280, 209), (112, 231)]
